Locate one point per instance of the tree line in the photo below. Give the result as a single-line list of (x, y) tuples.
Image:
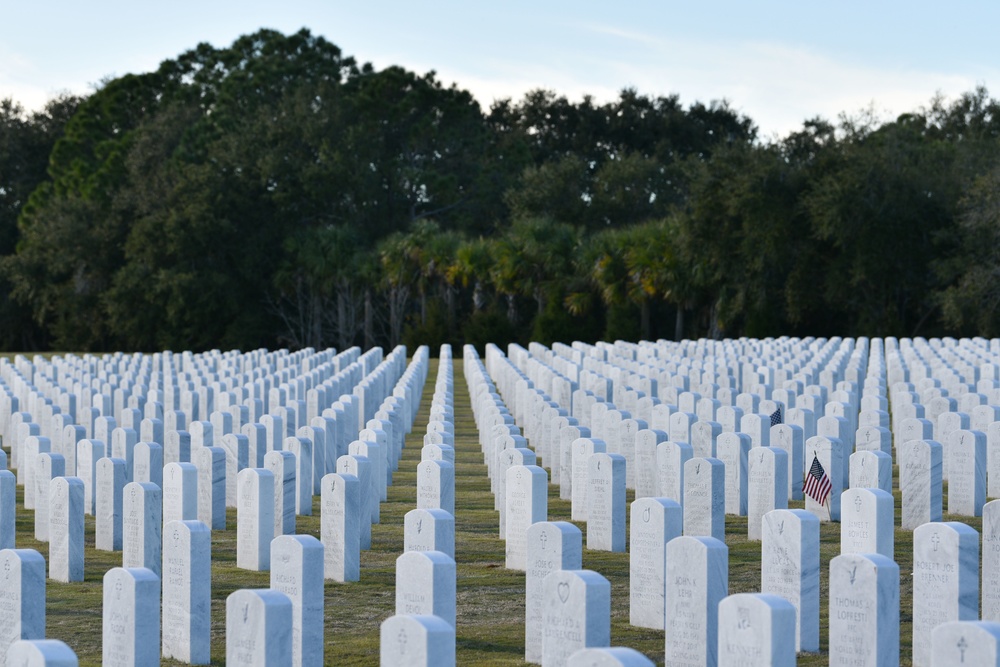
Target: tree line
[(277, 193)]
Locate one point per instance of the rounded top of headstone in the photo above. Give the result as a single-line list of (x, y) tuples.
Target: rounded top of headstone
[(284, 544), (848, 561), (696, 543), (617, 656), (415, 558), (41, 651), (437, 513)]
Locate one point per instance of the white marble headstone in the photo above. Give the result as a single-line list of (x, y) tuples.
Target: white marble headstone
[(297, 571), (945, 580), (258, 627), (526, 504), (142, 506), (697, 575), (425, 584), (340, 526), (754, 629), (131, 617), (920, 482), (606, 502), (255, 519), (790, 568), (556, 545), (429, 529), (654, 522), (767, 486), (864, 610), (417, 641), (187, 591), (732, 449), (966, 643), (22, 590), (66, 529), (577, 599), (704, 498), (867, 522)]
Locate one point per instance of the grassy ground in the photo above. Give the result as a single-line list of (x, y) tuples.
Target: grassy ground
[(490, 602)]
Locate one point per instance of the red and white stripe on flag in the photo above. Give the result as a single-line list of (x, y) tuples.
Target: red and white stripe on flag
[(817, 485)]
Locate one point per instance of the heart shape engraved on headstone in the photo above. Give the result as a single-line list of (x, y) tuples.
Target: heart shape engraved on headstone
[(563, 591)]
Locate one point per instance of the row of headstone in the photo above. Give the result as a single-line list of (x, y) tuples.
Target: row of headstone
[(431, 526), (867, 525), (422, 631), (567, 609), (146, 458), (128, 519), (268, 434), (921, 483), (167, 428)]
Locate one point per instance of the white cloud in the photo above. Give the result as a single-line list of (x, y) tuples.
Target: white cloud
[(777, 85)]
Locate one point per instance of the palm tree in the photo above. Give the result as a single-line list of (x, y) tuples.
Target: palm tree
[(399, 274), (472, 263), (534, 258)]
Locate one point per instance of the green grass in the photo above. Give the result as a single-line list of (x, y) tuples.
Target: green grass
[(490, 599)]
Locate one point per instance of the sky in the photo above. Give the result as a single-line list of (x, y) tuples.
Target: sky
[(778, 62)]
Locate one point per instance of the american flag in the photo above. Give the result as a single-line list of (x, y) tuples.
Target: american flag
[(817, 485), (776, 417)]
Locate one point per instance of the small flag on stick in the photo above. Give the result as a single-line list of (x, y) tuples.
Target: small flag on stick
[(817, 485), (776, 417)]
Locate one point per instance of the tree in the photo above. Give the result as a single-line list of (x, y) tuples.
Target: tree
[(473, 260), (534, 258), (971, 302), (882, 206), (26, 140)]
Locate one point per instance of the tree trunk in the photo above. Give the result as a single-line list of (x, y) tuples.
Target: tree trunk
[(714, 331), (369, 320), (679, 324), (342, 340), (478, 298), (316, 315), (398, 296), (540, 300), (511, 309), (644, 319), (449, 300)]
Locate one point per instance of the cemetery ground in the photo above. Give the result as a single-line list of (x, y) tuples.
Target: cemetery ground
[(490, 598)]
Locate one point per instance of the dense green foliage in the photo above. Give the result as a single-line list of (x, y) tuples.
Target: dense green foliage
[(276, 192)]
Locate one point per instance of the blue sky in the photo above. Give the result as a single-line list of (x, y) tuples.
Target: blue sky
[(778, 62)]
